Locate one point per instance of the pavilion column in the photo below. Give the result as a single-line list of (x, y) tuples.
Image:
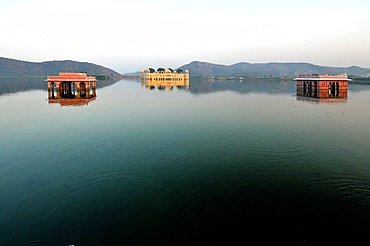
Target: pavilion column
[(82, 89), (88, 90), (78, 89), (53, 89), (94, 88), (57, 85), (62, 88), (50, 88)]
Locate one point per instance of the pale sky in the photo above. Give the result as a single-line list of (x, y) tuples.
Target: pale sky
[(129, 36)]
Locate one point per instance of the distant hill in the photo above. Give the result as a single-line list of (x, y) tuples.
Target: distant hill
[(134, 75), (11, 67), (273, 69)]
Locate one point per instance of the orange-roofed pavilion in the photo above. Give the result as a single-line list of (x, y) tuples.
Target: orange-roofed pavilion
[(71, 85)]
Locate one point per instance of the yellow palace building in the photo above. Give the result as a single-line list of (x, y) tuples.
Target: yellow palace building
[(164, 78)]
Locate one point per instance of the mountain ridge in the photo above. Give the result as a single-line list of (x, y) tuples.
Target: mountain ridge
[(13, 67), (270, 69)]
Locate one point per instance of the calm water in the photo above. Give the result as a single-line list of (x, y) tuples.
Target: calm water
[(219, 162)]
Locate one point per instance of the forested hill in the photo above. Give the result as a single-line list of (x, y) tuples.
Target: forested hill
[(274, 69), (11, 67)]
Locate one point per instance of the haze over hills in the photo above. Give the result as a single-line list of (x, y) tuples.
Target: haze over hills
[(273, 69), (12, 67)]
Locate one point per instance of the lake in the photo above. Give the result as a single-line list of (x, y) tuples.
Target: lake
[(218, 162)]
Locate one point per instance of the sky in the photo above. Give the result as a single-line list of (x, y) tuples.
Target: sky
[(129, 36)]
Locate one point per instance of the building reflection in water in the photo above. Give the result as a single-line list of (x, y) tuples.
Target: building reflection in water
[(71, 89), (322, 88), (164, 79)]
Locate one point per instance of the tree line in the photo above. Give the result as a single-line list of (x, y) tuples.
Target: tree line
[(161, 70)]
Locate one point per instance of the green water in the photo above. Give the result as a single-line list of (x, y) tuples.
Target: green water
[(220, 162)]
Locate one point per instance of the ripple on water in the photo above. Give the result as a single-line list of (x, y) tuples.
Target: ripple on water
[(351, 188), (284, 143)]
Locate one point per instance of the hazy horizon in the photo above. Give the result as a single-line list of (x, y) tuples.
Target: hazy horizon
[(129, 36)]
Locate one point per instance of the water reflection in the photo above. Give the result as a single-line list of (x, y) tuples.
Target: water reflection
[(10, 85), (71, 89), (270, 86), (71, 101), (17, 84), (246, 158), (165, 85)]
